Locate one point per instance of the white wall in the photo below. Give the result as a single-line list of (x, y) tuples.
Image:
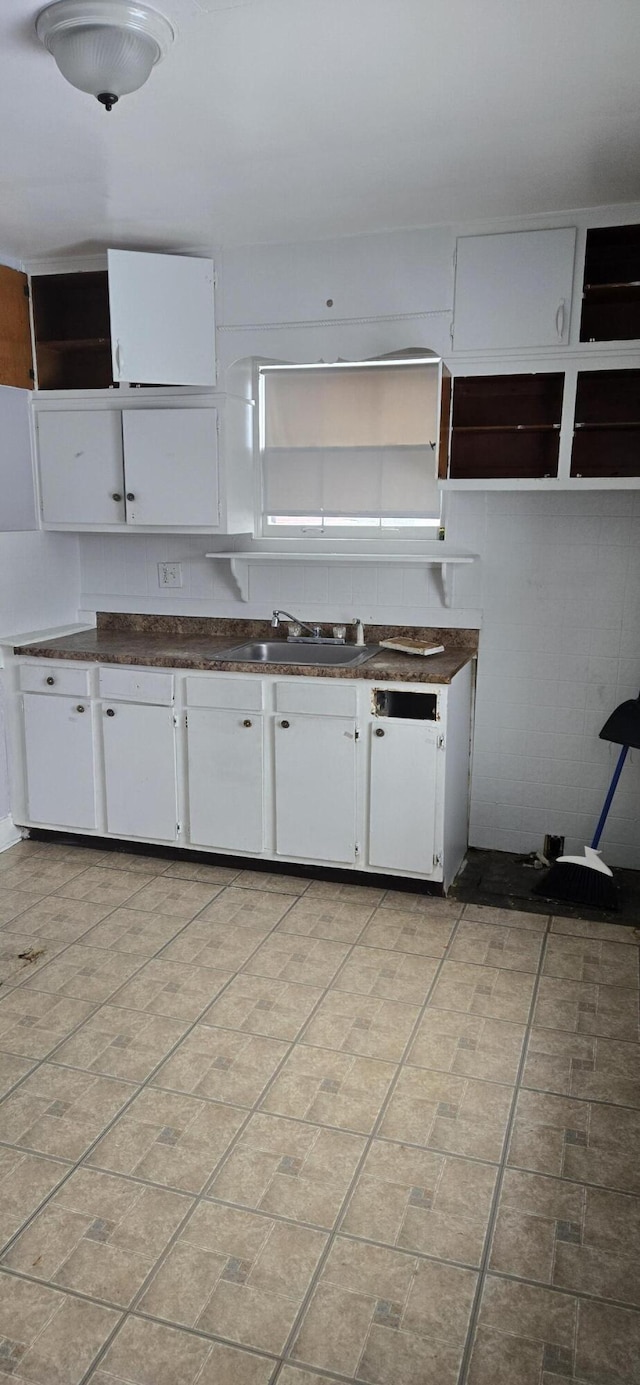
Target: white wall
[(39, 587), (558, 583)]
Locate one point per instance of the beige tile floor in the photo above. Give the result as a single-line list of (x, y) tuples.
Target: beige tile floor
[(257, 1129)]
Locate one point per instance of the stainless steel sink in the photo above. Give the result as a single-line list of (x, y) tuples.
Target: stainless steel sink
[(281, 652)]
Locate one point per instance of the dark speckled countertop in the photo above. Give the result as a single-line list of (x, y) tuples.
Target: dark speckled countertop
[(192, 642)]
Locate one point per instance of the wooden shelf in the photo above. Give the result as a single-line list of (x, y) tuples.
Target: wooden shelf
[(611, 288), (508, 428), (607, 427), (78, 344)]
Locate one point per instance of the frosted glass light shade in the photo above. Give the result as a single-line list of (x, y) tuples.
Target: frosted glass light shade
[(104, 47)]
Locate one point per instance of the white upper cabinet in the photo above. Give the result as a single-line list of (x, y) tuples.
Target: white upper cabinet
[(333, 280), (171, 466), (513, 290), (129, 468), (162, 318), (81, 467)]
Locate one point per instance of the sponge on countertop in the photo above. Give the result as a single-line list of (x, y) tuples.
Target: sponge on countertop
[(406, 646)]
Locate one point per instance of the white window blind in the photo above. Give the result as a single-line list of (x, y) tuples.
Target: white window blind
[(349, 441)]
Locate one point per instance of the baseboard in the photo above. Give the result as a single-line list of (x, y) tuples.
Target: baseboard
[(9, 833)]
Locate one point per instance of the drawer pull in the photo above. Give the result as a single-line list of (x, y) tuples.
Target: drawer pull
[(284, 725), (379, 731), (50, 681), (80, 707), (110, 712), (130, 495), (246, 722), (116, 495)]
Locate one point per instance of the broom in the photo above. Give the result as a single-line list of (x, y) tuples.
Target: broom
[(586, 879)]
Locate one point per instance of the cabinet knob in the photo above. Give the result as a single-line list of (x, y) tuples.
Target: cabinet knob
[(50, 681), (284, 725), (130, 495), (80, 707), (116, 495), (379, 731), (110, 712), (247, 722)]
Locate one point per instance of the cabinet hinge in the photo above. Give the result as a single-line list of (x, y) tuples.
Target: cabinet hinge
[(356, 850), (437, 860), (32, 374), (178, 828), (25, 290), (357, 735), (440, 742), (186, 719)]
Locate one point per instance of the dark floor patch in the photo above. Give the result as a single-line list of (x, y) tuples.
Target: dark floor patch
[(503, 881)]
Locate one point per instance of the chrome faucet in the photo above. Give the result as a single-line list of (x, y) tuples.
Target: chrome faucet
[(315, 632)]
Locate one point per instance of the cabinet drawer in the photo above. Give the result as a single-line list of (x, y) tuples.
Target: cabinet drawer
[(136, 685), (336, 699), (243, 694), (55, 678)]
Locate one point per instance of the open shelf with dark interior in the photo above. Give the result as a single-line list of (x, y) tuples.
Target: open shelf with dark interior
[(72, 330), (606, 439), (506, 425), (611, 289)]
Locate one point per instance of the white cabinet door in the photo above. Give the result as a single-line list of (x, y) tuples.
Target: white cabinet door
[(513, 289), (315, 768), (17, 494), (225, 767), (140, 770), (403, 796), (59, 761), (171, 466), (81, 474), (162, 319)]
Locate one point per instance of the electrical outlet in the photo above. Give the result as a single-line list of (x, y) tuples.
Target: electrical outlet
[(169, 574)]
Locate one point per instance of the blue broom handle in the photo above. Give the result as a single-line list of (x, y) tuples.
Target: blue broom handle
[(609, 799)]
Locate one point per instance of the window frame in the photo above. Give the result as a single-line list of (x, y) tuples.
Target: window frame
[(398, 531)]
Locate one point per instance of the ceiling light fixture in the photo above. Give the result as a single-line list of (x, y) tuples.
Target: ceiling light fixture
[(104, 47)]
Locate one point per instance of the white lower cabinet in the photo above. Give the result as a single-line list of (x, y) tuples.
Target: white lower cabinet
[(59, 767), (333, 772), (403, 796), (140, 770), (315, 787), (225, 779)]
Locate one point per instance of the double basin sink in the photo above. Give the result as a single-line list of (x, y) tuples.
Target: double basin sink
[(283, 652)]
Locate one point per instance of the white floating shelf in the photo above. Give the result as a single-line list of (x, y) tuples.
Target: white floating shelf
[(437, 554)]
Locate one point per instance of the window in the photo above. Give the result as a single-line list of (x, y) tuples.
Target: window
[(350, 447)]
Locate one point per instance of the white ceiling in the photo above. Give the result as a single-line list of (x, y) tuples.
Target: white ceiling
[(283, 120)]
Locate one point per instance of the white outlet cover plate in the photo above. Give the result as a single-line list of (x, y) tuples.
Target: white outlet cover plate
[(170, 574)]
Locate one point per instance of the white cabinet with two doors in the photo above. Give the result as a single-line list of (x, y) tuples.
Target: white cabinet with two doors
[(327, 772), (133, 467), (132, 462)]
